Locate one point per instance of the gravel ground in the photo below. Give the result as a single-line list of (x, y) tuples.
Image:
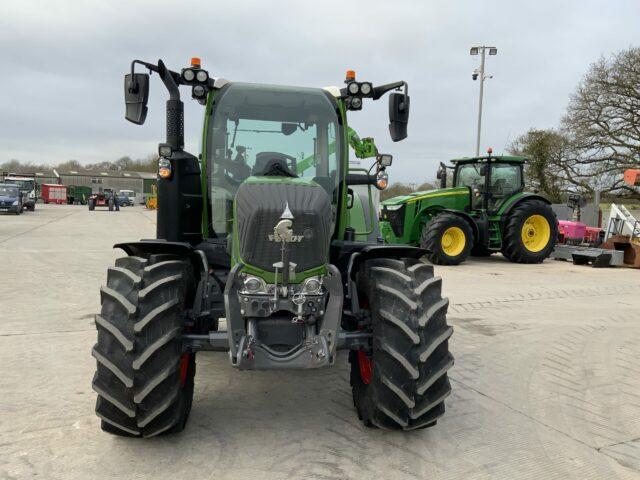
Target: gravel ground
[(546, 382)]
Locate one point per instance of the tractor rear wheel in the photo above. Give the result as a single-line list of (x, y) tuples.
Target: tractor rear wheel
[(447, 238), (402, 382), (530, 232), (144, 380)]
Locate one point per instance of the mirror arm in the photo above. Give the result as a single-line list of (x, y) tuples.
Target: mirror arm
[(380, 90), (158, 69)]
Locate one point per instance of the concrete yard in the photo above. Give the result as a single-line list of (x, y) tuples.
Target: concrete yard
[(546, 382)]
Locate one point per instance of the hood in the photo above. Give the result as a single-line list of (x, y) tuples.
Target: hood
[(415, 196)]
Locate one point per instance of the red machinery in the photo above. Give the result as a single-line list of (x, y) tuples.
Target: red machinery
[(53, 193)]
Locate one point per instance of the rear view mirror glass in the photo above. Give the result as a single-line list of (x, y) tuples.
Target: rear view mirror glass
[(136, 95), (398, 116), (289, 128)]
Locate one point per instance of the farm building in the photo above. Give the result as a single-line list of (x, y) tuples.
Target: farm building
[(139, 182)]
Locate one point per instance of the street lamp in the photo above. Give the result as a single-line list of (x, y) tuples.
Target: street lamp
[(480, 73)]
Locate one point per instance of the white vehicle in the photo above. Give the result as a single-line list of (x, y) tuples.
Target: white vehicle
[(27, 186), (126, 197)]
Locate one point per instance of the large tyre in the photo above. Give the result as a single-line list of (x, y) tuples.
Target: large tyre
[(144, 380), (92, 204), (402, 383), (530, 232), (448, 239)]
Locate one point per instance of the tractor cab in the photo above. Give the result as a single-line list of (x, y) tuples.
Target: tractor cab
[(491, 179)]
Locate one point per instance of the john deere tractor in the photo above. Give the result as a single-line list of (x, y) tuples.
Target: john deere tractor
[(485, 211), (257, 255)]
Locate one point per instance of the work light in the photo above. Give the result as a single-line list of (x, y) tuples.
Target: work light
[(355, 103), (202, 76), (353, 88), (198, 91), (188, 74), (366, 88)]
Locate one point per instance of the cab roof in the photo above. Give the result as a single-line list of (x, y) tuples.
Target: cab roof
[(493, 158)]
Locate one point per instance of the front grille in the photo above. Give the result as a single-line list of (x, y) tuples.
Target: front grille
[(259, 207), (395, 219)]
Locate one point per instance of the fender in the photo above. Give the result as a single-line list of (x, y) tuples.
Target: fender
[(474, 226), (378, 251), (524, 198)]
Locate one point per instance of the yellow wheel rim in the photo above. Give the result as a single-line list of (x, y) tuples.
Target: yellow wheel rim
[(536, 233), (453, 241)]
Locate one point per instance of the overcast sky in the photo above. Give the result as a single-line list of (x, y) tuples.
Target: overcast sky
[(63, 62)]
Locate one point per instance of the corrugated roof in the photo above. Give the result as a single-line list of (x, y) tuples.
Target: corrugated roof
[(101, 173)]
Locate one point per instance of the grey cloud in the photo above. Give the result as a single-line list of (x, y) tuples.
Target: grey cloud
[(63, 61)]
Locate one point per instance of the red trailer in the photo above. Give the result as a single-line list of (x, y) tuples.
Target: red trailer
[(52, 193)]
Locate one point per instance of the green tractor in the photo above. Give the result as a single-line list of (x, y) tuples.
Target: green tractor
[(485, 211), (259, 253)]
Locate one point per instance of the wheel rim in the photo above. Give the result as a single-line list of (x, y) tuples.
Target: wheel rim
[(366, 367), (453, 241), (535, 233)]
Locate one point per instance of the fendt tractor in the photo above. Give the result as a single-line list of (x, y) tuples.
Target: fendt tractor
[(257, 255), (484, 212)]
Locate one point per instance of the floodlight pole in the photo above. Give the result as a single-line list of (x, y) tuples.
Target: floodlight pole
[(480, 101), (482, 50)]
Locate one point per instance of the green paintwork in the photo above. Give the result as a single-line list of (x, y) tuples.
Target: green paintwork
[(417, 209), (354, 218), (496, 159)]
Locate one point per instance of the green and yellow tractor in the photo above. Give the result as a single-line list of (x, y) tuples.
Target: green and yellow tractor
[(263, 252), (486, 210)]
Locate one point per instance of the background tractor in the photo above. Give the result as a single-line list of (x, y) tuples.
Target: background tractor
[(485, 211), (103, 198), (257, 255)]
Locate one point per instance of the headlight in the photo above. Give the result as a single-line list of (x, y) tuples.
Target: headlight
[(254, 285), (393, 208), (311, 286), (188, 75), (15, 204), (202, 76), (365, 88), (353, 88)]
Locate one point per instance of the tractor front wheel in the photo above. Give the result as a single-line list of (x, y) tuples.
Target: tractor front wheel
[(530, 232), (447, 238), (144, 380), (401, 383)]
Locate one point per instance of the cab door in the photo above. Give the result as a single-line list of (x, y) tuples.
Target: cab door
[(504, 181)]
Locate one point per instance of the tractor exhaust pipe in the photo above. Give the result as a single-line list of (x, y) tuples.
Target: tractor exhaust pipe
[(175, 109)]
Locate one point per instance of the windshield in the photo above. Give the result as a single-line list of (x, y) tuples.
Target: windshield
[(256, 129), (469, 176), (8, 191), (24, 184)]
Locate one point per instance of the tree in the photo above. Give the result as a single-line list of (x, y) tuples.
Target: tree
[(546, 151), (603, 123)]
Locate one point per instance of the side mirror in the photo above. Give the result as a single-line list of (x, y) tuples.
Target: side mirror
[(136, 95), (398, 116), (385, 160), (441, 175), (288, 128)]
